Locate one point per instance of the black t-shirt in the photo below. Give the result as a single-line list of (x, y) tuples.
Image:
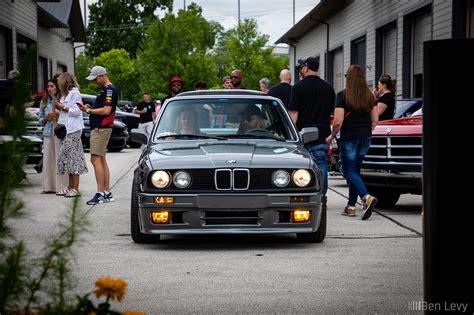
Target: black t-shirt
[(313, 99), (355, 125), (147, 116), (389, 100), (282, 91), (108, 96)]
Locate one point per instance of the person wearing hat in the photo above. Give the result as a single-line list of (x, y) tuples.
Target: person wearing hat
[(175, 86), (311, 103), (101, 120), (250, 118)]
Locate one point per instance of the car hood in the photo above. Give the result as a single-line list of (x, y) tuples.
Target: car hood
[(231, 154), (408, 126)]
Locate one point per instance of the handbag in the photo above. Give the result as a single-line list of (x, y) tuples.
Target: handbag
[(60, 131)]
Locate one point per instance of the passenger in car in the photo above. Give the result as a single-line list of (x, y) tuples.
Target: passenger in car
[(187, 122), (250, 118)]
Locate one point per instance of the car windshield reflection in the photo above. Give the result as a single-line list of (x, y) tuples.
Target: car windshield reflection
[(222, 119)]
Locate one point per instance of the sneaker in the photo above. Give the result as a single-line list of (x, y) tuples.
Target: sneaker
[(72, 193), (62, 192), (109, 197), (369, 204), (349, 211), (98, 198)]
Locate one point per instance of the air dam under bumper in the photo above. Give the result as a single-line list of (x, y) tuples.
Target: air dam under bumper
[(229, 213)]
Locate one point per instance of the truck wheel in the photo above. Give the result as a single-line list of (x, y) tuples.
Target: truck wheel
[(137, 236), (386, 197), (319, 235)]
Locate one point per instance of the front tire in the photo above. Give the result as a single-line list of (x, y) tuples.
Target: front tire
[(386, 198), (319, 235), (137, 236)]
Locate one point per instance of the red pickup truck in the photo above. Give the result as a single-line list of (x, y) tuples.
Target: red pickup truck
[(393, 164)]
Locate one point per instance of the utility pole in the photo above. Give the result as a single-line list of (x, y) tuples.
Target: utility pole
[(293, 12), (238, 2), (85, 13)]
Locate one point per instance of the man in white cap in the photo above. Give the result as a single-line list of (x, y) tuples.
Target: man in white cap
[(101, 120)]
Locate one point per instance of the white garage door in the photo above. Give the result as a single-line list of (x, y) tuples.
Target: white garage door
[(338, 70), (421, 32)]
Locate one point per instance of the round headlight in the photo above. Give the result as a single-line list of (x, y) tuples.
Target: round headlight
[(181, 179), (280, 178), (160, 179), (301, 178)]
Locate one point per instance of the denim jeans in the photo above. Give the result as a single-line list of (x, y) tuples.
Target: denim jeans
[(320, 155), (352, 152)]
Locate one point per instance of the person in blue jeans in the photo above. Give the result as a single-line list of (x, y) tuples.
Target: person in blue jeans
[(311, 103), (355, 115)]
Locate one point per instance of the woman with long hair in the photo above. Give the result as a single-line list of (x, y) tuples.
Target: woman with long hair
[(385, 95), (355, 115), (71, 159), (48, 117)]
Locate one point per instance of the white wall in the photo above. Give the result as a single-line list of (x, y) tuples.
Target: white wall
[(51, 45)]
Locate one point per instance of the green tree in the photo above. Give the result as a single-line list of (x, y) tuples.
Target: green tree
[(121, 71), (246, 49), (177, 45), (120, 24), (83, 65)]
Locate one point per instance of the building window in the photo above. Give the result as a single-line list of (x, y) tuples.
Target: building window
[(336, 69), (61, 68), (386, 50), (43, 73)]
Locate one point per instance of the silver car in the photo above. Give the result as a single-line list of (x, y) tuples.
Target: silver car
[(225, 162)]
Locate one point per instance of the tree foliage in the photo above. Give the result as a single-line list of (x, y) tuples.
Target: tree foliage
[(120, 24), (177, 45), (246, 49)]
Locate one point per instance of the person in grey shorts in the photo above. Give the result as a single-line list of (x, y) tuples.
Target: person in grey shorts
[(101, 120)]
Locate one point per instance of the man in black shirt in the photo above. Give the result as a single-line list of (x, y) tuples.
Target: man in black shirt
[(311, 103), (147, 112), (283, 89)]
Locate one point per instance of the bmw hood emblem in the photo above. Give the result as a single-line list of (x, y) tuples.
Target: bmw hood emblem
[(231, 161)]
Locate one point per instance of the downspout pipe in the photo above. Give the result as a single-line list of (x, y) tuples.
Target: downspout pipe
[(290, 43), (326, 57)]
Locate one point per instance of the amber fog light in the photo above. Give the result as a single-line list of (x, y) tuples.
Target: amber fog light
[(300, 215), (160, 217)]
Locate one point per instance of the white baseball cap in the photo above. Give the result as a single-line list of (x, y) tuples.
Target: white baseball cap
[(95, 72)]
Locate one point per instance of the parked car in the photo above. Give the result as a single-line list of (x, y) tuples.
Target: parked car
[(406, 107), (129, 119), (393, 164), (118, 138), (217, 180)]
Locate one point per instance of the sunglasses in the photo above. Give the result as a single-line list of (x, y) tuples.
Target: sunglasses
[(234, 77)]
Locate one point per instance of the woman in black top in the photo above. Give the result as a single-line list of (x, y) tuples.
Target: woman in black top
[(385, 95), (355, 115)]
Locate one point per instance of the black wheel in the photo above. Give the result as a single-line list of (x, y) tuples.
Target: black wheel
[(386, 197), (134, 145), (114, 149), (137, 236), (319, 235)]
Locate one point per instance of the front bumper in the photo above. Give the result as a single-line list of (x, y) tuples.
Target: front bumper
[(407, 182), (216, 213)]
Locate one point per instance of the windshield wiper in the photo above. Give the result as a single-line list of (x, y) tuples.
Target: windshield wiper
[(188, 136)]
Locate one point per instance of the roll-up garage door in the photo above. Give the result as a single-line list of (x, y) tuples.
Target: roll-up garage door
[(390, 52), (338, 70), (421, 33)]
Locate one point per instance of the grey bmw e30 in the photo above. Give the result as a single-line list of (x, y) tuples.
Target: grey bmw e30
[(226, 161)]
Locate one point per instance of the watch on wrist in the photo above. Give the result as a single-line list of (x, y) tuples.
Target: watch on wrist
[(87, 111)]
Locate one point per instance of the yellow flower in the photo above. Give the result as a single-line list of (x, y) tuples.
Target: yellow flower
[(128, 312), (109, 287)]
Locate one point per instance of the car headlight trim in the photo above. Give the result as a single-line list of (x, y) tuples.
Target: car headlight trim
[(301, 177), (160, 179), (181, 179), (280, 178)]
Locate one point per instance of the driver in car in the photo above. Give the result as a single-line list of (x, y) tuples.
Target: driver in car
[(250, 118)]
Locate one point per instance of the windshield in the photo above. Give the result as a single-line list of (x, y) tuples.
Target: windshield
[(224, 118)]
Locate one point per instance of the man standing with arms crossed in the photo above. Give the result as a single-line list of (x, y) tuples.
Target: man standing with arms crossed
[(311, 103), (101, 119)]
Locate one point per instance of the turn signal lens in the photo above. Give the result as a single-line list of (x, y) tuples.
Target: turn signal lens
[(160, 217), (161, 199), (160, 179), (300, 215)]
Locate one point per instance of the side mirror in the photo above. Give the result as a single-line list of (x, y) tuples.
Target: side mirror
[(139, 135), (309, 134)]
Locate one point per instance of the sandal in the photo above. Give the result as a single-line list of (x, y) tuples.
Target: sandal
[(72, 193), (62, 192)]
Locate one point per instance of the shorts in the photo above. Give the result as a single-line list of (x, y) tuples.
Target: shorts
[(99, 140)]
